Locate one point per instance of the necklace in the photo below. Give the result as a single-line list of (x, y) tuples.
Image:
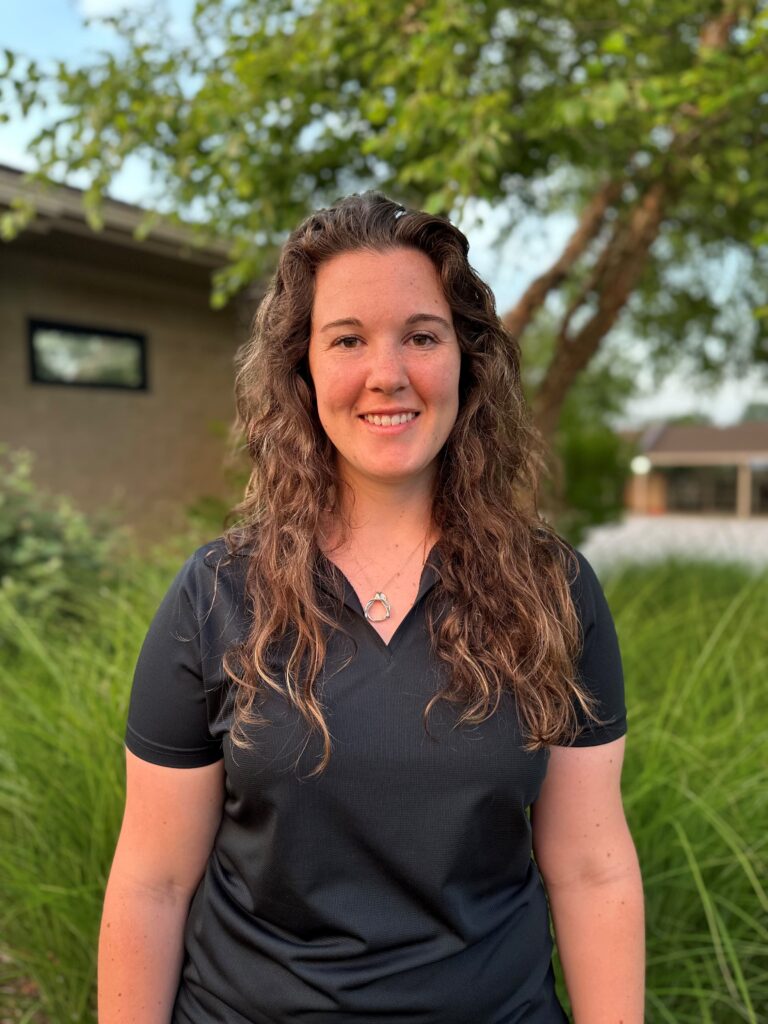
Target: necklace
[(379, 596)]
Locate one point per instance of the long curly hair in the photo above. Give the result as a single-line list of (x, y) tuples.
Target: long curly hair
[(507, 620)]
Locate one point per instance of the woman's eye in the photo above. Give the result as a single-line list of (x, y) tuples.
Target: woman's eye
[(420, 340)]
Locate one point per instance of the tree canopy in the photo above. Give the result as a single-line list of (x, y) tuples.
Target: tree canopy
[(646, 121)]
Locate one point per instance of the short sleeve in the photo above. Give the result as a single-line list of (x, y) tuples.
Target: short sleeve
[(168, 711), (599, 666)]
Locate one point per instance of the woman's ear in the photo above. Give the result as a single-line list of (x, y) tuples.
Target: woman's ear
[(304, 385), (303, 372), (466, 379)]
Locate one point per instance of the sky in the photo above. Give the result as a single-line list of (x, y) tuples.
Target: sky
[(49, 29)]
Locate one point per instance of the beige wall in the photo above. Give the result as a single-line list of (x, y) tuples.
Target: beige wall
[(645, 494), (151, 453)]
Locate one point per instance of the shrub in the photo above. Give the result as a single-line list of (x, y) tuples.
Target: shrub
[(595, 466), (49, 552)]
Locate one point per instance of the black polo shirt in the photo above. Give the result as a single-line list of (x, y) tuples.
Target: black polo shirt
[(399, 884)]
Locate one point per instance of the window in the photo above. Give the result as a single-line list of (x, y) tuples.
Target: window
[(86, 356), (701, 489), (759, 488)]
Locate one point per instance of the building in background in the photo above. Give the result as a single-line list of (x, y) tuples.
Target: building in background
[(695, 468), (114, 370)]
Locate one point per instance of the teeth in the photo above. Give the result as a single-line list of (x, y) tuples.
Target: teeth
[(389, 421)]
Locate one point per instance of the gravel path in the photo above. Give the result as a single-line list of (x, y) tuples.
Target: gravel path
[(650, 538)]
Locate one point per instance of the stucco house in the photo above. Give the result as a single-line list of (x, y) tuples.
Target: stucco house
[(695, 468), (114, 370)]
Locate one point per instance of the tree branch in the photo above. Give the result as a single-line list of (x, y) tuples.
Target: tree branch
[(518, 318), (622, 263)]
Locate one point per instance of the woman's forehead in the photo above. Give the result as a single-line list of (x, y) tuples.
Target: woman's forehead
[(363, 283)]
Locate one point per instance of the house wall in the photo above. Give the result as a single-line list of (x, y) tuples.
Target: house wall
[(147, 453)]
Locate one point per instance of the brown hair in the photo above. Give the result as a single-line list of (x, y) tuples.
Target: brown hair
[(509, 622)]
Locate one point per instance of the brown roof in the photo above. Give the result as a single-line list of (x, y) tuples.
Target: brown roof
[(59, 208), (697, 439)]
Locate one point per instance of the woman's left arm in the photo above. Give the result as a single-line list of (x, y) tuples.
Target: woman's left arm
[(588, 862)]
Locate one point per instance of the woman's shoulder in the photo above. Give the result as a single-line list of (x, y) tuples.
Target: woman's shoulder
[(210, 593), (218, 565), (225, 551), (582, 579)]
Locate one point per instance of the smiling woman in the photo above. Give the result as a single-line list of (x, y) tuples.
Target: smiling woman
[(358, 715)]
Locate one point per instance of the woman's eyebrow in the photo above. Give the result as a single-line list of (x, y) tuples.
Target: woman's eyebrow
[(432, 318), (349, 321), (414, 318)]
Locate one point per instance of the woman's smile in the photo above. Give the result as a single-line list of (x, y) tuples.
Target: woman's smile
[(389, 424)]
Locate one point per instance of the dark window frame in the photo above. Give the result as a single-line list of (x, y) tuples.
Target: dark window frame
[(34, 324), (708, 488)]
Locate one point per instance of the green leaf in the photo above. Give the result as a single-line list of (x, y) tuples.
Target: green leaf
[(614, 42), (10, 61)]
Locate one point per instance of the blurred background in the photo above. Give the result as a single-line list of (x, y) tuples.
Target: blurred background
[(607, 162)]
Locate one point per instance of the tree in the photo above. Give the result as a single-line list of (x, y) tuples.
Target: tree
[(690, 419), (755, 412), (646, 121), (590, 458)]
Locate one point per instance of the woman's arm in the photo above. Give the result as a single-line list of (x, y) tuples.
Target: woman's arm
[(589, 866), (170, 821)]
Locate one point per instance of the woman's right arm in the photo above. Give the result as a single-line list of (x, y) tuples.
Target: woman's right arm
[(169, 825)]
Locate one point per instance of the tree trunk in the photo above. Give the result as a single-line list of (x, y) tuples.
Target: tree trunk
[(615, 276), (518, 318)]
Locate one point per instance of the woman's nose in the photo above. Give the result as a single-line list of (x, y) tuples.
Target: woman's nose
[(386, 370)]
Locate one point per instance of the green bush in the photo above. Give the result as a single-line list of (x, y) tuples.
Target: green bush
[(595, 467), (594, 458), (49, 552)]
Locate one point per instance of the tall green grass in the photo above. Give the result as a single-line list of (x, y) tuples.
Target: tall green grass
[(695, 645), (694, 640), (63, 695)]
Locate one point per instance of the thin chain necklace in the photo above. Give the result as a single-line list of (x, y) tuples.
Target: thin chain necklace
[(380, 596)]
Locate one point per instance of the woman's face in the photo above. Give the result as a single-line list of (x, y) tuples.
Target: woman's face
[(383, 344)]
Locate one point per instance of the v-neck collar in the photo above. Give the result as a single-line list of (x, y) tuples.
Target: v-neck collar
[(333, 581)]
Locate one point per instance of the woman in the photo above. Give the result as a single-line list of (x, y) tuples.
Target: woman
[(344, 710)]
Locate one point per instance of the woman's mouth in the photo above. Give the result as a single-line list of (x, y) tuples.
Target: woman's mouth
[(386, 421)]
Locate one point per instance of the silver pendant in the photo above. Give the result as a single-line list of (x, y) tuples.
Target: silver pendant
[(381, 599)]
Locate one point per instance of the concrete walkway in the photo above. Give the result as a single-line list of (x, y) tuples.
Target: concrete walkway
[(649, 538)]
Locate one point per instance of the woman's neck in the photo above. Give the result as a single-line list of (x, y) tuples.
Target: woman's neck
[(381, 518)]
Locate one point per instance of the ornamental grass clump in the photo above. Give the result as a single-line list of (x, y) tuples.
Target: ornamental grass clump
[(694, 639), (63, 691)]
